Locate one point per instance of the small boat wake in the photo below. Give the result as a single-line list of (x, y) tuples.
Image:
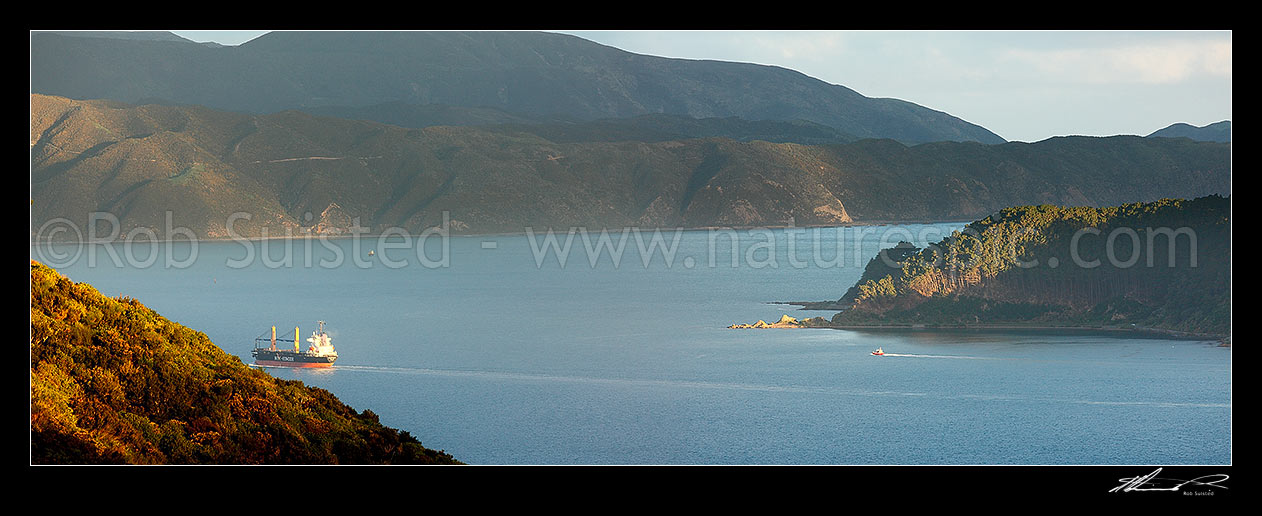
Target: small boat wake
[(916, 355)]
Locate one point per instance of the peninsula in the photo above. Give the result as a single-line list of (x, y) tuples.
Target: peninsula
[(1162, 266)]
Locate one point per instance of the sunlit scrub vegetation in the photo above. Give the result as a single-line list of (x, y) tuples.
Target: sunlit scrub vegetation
[(1158, 265), (113, 382)]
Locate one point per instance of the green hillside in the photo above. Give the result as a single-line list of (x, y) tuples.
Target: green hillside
[(1163, 265), (296, 172), (113, 382)]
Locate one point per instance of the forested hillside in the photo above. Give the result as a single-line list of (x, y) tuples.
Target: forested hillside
[(1163, 264)]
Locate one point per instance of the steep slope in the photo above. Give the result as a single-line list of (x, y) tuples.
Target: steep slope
[(113, 382), (143, 164), (529, 74), (282, 172), (1163, 264), (962, 181)]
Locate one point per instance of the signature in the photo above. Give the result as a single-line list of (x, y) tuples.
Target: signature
[(1151, 482)]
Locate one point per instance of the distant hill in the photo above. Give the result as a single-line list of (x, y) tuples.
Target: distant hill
[(1164, 264), (132, 35), (531, 75), (661, 128), (292, 171), (418, 116), (1216, 132), (113, 382), (642, 128)]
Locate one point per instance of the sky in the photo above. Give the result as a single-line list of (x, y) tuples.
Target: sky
[(1022, 85)]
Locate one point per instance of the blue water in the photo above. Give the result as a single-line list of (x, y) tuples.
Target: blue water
[(498, 354)]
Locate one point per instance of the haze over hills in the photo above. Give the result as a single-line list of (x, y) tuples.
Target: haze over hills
[(642, 128), (529, 76), (295, 171), (660, 128), (1216, 132)]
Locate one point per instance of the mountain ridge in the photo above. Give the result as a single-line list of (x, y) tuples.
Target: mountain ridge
[(529, 73), (1215, 132), (140, 163), (125, 35)]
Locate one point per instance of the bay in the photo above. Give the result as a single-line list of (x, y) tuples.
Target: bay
[(504, 350)]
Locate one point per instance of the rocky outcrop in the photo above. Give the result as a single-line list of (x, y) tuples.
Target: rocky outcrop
[(784, 322), (333, 221)]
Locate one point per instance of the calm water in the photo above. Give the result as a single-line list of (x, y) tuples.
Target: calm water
[(498, 354)]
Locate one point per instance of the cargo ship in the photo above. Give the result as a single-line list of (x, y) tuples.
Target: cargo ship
[(319, 353)]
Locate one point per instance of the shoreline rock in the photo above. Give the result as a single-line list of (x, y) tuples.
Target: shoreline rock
[(784, 322)]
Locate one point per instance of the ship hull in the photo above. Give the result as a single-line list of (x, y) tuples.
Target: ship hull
[(290, 359)]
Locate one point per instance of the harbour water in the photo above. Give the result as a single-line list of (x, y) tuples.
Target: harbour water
[(506, 350)]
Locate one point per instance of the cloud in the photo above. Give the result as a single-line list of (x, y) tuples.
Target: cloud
[(1164, 62)]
